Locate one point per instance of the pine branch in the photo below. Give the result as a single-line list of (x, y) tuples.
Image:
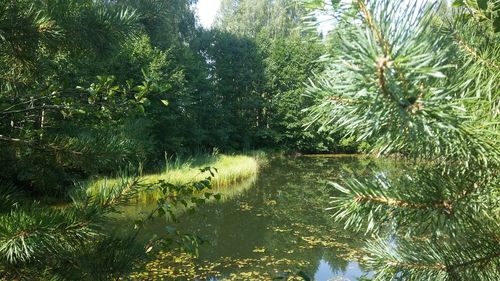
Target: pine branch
[(382, 65), (106, 198), (9, 196), (421, 116), (42, 107), (122, 195), (367, 16), (87, 152), (474, 53), (439, 259), (481, 260), (409, 84), (446, 206), (419, 203), (27, 235)]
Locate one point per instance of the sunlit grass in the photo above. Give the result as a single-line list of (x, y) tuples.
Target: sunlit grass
[(231, 170)]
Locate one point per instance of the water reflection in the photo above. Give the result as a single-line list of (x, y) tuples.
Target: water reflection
[(276, 228), (326, 273)]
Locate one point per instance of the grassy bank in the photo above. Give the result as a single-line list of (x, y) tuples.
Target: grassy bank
[(232, 170)]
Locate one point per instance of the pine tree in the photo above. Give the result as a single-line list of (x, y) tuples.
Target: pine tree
[(60, 122), (46, 114), (420, 82)]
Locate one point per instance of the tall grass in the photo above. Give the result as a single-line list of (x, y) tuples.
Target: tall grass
[(231, 170)]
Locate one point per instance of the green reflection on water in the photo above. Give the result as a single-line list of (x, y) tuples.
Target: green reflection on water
[(272, 226)]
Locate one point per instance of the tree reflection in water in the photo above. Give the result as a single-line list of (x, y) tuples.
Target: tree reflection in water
[(277, 228)]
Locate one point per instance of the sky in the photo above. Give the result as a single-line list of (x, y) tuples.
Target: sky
[(207, 9)]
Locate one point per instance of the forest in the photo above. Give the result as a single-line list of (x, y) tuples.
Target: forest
[(137, 144)]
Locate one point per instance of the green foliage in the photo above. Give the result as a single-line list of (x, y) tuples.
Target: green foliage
[(484, 10), (238, 72), (400, 104), (49, 118), (251, 18), (85, 87), (231, 170), (37, 240), (420, 82), (261, 61), (73, 242)]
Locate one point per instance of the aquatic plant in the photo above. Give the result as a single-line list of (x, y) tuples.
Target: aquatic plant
[(228, 170)]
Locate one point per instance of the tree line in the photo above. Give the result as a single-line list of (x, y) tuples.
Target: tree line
[(87, 86)]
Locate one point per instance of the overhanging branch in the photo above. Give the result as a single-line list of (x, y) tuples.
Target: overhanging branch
[(446, 205)]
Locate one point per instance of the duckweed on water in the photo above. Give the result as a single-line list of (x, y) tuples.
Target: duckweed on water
[(275, 229), (182, 266)]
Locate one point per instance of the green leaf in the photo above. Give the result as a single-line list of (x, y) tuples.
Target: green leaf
[(458, 3), (165, 102), (199, 186)]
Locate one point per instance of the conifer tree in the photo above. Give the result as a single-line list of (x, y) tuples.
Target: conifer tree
[(420, 82), (60, 121)]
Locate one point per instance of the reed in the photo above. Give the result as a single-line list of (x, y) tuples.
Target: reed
[(231, 170)]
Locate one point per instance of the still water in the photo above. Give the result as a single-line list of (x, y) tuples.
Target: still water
[(271, 228)]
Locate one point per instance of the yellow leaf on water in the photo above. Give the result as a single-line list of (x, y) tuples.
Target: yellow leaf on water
[(259, 250)]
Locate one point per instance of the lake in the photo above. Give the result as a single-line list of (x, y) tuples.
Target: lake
[(269, 228)]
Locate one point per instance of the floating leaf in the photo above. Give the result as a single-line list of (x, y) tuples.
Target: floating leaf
[(259, 250)]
